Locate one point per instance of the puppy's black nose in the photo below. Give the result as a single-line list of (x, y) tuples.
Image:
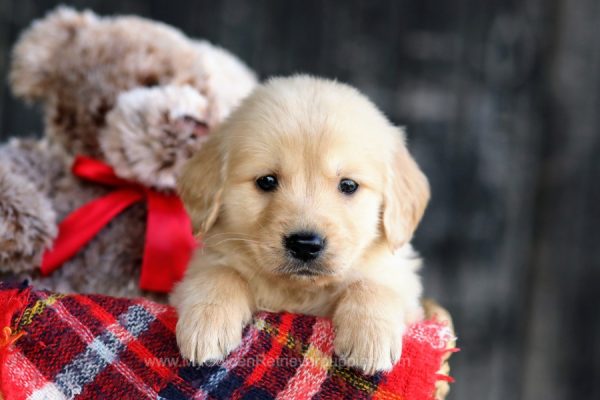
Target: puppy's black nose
[(305, 246)]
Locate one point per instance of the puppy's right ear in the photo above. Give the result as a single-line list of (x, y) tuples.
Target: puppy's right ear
[(200, 184)]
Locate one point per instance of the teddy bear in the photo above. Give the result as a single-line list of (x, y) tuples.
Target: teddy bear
[(126, 102)]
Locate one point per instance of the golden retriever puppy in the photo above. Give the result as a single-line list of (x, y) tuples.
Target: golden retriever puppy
[(307, 199)]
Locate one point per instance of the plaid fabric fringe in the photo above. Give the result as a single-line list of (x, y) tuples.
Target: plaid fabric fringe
[(56, 346)]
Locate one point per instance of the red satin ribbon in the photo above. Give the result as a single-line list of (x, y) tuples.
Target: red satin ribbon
[(169, 240)]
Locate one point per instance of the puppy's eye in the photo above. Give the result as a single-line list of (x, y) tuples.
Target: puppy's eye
[(347, 186), (267, 183)]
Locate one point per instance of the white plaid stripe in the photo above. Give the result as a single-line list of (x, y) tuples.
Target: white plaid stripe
[(102, 350), (230, 363)]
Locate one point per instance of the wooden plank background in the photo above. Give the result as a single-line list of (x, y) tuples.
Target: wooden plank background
[(502, 102)]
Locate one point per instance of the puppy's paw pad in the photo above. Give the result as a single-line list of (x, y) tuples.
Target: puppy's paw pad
[(208, 333), (369, 344)]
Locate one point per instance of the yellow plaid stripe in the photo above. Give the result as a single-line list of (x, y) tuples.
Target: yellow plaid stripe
[(318, 358), (31, 312), (324, 361)]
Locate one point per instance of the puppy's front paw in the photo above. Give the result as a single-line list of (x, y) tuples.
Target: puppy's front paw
[(369, 343), (209, 332)]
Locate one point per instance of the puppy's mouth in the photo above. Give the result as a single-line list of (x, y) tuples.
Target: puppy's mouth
[(307, 272), (304, 270)]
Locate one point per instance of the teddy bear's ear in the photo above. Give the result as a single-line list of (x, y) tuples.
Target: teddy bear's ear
[(227, 80), (34, 57)]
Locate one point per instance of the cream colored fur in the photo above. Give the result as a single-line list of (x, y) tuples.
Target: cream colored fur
[(310, 133)]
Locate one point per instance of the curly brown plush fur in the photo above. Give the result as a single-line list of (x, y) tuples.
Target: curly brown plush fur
[(136, 94)]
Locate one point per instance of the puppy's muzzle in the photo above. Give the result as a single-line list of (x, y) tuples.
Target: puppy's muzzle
[(304, 246)]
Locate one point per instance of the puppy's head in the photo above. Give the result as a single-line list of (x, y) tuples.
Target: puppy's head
[(306, 176)]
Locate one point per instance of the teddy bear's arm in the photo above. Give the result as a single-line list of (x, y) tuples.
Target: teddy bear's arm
[(27, 218)]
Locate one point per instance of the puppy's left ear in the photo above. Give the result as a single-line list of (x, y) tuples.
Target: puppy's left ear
[(200, 184), (405, 198)]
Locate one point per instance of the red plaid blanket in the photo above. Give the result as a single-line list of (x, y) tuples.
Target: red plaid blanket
[(56, 346)]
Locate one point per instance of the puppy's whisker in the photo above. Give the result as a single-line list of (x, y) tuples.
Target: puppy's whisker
[(259, 243), (285, 268), (228, 233), (212, 238), (224, 235), (246, 207), (234, 240), (208, 244)]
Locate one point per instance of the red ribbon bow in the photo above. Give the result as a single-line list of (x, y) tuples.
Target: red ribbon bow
[(169, 239)]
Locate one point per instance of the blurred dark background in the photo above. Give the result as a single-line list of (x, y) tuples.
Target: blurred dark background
[(501, 100)]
